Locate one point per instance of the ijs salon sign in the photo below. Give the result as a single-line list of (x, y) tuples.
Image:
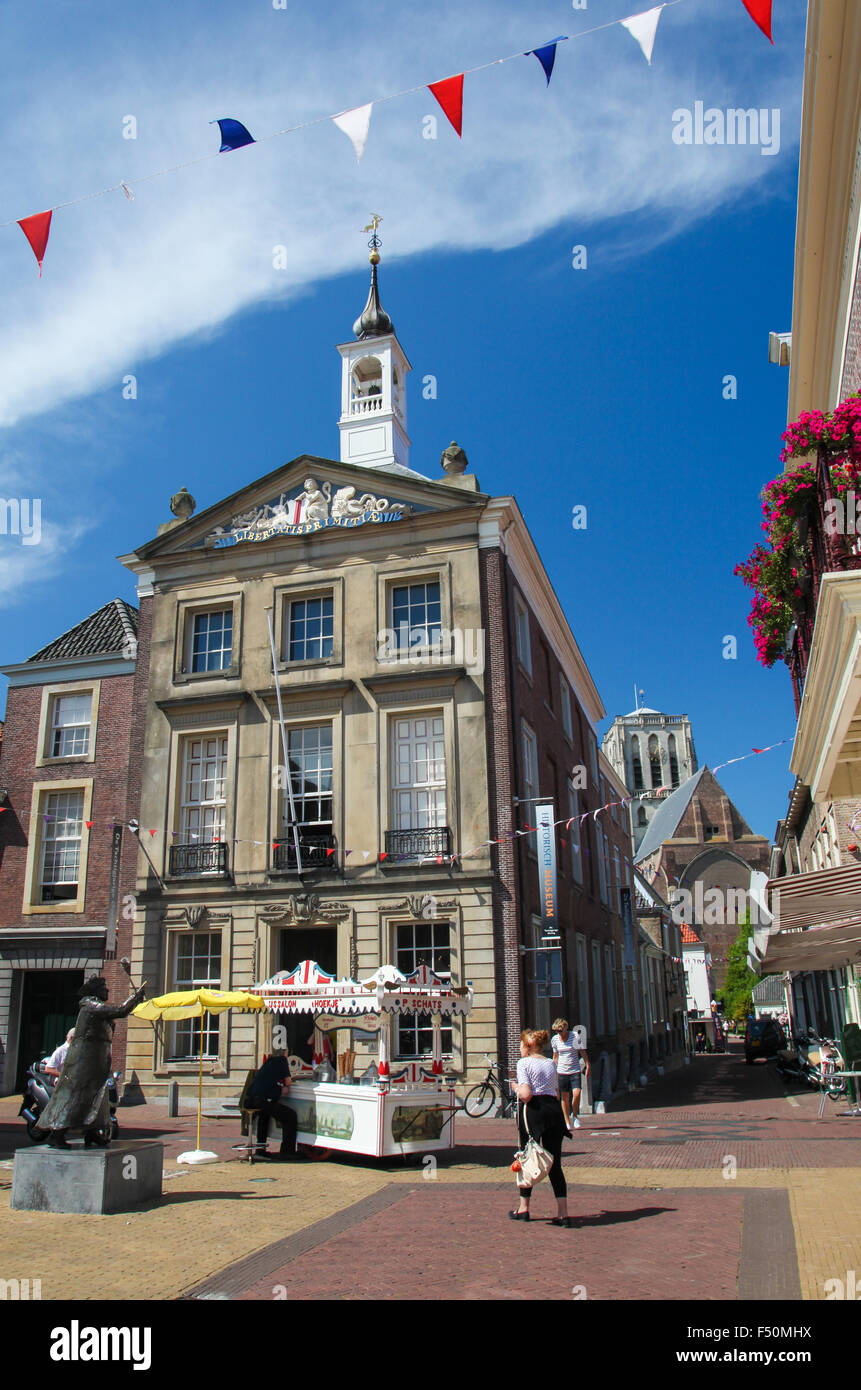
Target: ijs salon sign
[(546, 832)]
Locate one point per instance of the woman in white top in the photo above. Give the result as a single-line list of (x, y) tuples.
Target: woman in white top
[(539, 1108), (566, 1055)]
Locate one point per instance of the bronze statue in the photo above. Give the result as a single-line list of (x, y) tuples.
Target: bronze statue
[(80, 1098)]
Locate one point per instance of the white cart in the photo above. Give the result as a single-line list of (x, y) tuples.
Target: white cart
[(406, 1108)]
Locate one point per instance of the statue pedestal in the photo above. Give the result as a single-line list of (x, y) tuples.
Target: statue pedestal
[(94, 1181)]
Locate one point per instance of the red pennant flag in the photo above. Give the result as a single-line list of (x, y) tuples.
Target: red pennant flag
[(36, 229), (152, 832), (449, 94), (439, 859), (760, 13), (383, 855), (328, 852), (89, 824)]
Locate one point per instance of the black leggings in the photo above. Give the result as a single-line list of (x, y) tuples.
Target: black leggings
[(547, 1126)]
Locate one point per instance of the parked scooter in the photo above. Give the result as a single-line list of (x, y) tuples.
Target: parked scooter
[(37, 1093), (814, 1061)]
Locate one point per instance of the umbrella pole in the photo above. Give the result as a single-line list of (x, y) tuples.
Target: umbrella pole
[(200, 1080)]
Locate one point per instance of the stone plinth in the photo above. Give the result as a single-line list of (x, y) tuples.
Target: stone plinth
[(87, 1180)]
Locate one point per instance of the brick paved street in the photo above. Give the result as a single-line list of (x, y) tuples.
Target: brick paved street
[(709, 1184)]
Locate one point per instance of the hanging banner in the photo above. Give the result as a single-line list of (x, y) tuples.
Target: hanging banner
[(355, 125), (114, 891), (643, 27), (627, 928), (546, 835), (760, 13), (36, 229), (449, 94), (546, 55), (233, 134)]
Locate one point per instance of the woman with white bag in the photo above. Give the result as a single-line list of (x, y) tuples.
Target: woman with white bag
[(541, 1121)]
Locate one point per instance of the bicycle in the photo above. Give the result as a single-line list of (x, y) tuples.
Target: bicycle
[(481, 1098)]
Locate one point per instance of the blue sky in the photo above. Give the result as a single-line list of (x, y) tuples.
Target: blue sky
[(601, 386)]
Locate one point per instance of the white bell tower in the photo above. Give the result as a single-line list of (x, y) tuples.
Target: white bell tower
[(374, 368)]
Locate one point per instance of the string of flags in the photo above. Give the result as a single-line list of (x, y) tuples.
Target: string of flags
[(355, 123)]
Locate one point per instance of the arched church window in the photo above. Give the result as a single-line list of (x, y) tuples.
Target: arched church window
[(674, 762), (655, 761), (636, 764)]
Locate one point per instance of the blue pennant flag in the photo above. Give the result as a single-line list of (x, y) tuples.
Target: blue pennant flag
[(546, 55), (233, 134)]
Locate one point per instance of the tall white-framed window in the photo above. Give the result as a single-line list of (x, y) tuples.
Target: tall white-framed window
[(196, 965), (583, 984), (416, 614), (70, 725), (210, 640), (310, 752), (62, 829), (418, 772), (565, 703), (610, 977), (521, 629), (574, 833), (422, 943), (309, 627), (529, 745), (203, 796), (598, 988)]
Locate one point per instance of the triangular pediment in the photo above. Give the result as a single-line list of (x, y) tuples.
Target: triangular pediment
[(307, 497)]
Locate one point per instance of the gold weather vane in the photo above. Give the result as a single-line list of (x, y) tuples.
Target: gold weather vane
[(373, 224)]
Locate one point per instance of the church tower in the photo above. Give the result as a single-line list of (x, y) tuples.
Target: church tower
[(653, 753), (373, 421)]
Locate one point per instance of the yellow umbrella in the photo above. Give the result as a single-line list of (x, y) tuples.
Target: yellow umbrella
[(194, 1003)]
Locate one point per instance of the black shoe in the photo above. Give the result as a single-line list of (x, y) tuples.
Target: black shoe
[(57, 1139), (565, 1221), (519, 1215)]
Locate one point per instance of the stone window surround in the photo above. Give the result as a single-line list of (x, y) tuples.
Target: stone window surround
[(186, 611), (317, 586), (390, 919), (412, 705), (31, 905), (219, 1067), (421, 571), (219, 724), (50, 693)]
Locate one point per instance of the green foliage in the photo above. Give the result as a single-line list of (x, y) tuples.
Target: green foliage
[(737, 992)]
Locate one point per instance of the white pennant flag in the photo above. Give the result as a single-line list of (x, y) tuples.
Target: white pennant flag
[(355, 125), (643, 27)]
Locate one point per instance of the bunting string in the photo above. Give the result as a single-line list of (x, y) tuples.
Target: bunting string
[(355, 122)]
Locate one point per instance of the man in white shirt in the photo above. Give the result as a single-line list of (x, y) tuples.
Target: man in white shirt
[(566, 1055), (54, 1065)]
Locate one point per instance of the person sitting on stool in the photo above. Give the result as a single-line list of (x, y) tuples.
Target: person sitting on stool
[(264, 1097)]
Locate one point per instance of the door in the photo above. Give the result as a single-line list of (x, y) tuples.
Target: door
[(49, 1008), (319, 944)]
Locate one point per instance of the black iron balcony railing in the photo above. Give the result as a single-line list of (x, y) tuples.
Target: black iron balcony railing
[(431, 843), (317, 851), (831, 547), (193, 861)]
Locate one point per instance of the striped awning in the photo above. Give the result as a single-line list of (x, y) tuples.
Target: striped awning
[(820, 948), (813, 899)]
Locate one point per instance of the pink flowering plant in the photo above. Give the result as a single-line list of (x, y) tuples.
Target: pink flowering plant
[(776, 572)]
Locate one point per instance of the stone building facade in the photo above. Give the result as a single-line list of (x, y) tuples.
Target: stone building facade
[(68, 772), (428, 690)]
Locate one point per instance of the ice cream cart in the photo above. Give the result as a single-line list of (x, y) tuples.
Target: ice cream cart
[(391, 1109)]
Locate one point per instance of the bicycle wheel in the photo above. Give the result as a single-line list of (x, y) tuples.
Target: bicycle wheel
[(479, 1100)]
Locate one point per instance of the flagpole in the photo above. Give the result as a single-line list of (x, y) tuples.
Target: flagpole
[(284, 741)]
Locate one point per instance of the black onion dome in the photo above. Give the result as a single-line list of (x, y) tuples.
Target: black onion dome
[(373, 322)]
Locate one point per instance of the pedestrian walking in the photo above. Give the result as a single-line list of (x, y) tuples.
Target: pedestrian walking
[(567, 1056), (539, 1116)]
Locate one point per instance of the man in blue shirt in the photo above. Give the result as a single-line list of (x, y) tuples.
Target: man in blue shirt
[(264, 1096)]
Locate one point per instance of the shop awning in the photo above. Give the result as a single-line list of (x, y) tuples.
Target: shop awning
[(310, 990), (813, 899), (819, 948)]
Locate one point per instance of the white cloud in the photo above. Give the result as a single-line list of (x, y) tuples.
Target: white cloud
[(126, 281)]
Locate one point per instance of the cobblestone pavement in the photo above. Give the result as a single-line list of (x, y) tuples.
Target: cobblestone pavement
[(711, 1183)]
